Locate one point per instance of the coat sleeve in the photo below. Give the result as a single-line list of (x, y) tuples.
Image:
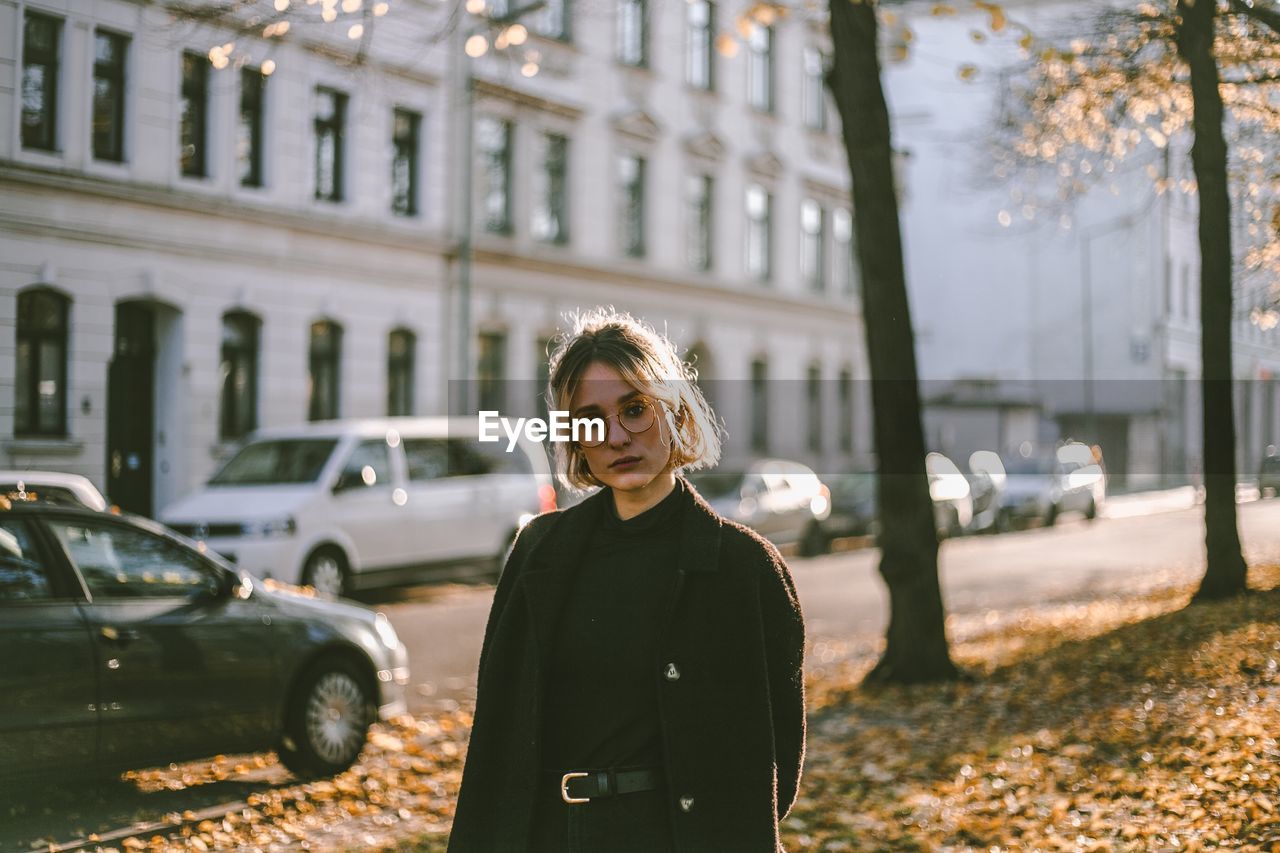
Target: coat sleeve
[(526, 538), (784, 657)]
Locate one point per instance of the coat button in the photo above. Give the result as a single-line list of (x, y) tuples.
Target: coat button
[(672, 674), (686, 804)]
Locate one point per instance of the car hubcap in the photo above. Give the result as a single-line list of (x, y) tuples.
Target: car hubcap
[(326, 575), (335, 717)]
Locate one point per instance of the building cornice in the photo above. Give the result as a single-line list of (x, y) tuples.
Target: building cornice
[(488, 89)]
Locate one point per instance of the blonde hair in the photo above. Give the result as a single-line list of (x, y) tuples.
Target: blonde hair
[(650, 363)]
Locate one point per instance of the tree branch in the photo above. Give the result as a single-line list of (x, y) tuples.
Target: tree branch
[(1260, 11)]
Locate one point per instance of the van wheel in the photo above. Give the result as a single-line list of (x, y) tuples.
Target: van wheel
[(1092, 512), (814, 541), (326, 572)]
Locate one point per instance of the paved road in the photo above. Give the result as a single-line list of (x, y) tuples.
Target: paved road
[(844, 600)]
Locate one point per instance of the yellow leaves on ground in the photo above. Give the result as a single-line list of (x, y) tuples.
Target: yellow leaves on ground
[(1129, 725)]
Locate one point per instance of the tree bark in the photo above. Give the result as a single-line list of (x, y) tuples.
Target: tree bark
[(916, 643), (1225, 567)]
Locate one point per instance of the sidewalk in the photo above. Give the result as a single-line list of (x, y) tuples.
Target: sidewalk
[(1167, 500)]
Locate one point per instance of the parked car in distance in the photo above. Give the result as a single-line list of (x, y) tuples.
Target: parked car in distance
[(128, 646), (1269, 474), (783, 501), (853, 505), (346, 505), (949, 490), (52, 487), (1042, 487), (986, 480)]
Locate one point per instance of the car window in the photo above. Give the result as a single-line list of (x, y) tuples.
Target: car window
[(502, 462), (427, 458), (56, 495), (23, 575), (466, 459), (123, 562), (276, 461), (368, 465)]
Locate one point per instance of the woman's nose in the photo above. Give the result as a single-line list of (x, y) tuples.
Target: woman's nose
[(616, 435)]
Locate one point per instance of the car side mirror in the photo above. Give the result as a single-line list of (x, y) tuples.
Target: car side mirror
[(346, 482)]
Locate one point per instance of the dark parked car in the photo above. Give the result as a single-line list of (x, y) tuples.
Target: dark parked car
[(1269, 474), (783, 501), (124, 646)]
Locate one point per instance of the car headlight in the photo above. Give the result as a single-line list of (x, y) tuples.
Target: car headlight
[(273, 527), (386, 633)]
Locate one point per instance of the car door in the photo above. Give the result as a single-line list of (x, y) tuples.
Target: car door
[(370, 507), (48, 678), (186, 667), (442, 500)]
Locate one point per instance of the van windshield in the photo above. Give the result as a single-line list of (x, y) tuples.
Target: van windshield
[(276, 461)]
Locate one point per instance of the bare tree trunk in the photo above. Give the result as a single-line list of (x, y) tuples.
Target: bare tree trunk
[(1225, 568), (916, 648)]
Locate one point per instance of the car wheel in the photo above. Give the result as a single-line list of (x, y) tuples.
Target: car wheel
[(1092, 512), (1004, 521), (814, 541), (1051, 516), (326, 571), (327, 721)]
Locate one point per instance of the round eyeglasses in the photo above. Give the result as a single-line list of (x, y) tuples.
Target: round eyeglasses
[(635, 416)]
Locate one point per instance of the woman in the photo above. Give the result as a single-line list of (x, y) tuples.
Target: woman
[(640, 684)]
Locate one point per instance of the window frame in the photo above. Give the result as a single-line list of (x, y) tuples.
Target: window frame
[(194, 119), (115, 75), (759, 412), (759, 231), (330, 358), (761, 84), (557, 27), (700, 224), (633, 33), (814, 99), (842, 252), (251, 326), (813, 393), (333, 125), (252, 115), (401, 371), (104, 521), (700, 47), (491, 358), (632, 234), (31, 426), (51, 62), (813, 245), (497, 160), (845, 415), (553, 197), (406, 147)]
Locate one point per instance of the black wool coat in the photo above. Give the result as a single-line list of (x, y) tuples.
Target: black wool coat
[(729, 680)]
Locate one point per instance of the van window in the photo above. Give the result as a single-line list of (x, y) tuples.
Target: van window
[(276, 461), (369, 465), (502, 462), (466, 459), (427, 458)]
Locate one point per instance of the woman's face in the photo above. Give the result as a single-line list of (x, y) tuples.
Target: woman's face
[(625, 462)]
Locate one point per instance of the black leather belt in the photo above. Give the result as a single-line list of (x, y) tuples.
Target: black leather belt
[(583, 786)]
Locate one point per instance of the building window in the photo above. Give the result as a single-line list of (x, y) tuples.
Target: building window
[(40, 375), (555, 21), (110, 51), (813, 392), (760, 68), (250, 128), (493, 140), (406, 130), (325, 359), (760, 406), (193, 129), (631, 209), (491, 371), (402, 345), (331, 122), (813, 244), (551, 208), (759, 232), (842, 237), (698, 195), (633, 33), (700, 52), (238, 372), (815, 95), (846, 410), (41, 35)]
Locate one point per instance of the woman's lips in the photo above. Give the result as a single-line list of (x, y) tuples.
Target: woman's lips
[(624, 462)]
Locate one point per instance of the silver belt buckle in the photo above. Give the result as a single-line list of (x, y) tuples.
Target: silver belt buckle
[(564, 788)]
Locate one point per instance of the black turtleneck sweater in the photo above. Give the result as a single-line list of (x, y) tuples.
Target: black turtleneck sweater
[(601, 701)]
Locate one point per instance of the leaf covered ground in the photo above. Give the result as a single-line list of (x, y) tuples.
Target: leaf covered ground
[(1129, 724)]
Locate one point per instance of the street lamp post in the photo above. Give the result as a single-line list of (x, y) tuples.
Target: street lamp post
[(463, 54)]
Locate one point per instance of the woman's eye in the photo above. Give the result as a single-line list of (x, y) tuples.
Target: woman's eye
[(634, 409)]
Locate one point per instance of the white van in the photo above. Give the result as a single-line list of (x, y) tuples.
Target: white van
[(345, 505)]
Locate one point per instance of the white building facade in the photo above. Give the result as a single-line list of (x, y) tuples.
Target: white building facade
[(207, 227)]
